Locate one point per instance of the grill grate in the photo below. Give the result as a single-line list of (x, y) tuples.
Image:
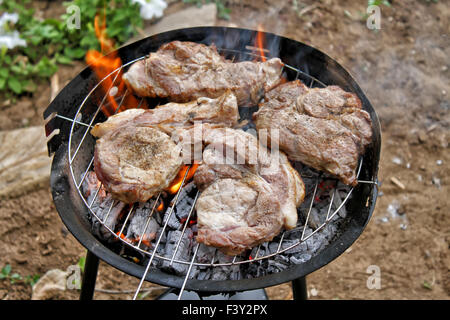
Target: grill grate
[(77, 141)]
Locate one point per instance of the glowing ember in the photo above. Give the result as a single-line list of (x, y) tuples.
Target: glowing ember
[(145, 239), (160, 207), (176, 183)]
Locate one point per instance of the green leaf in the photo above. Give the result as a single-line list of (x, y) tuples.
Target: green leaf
[(15, 86), (31, 280), (427, 285), (16, 276), (63, 60), (2, 83), (74, 53), (81, 263), (7, 59), (4, 73), (6, 270)]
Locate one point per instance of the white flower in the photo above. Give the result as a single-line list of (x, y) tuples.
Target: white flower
[(10, 39), (151, 8), (11, 17)]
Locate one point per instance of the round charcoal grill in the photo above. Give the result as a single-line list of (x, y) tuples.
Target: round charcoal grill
[(78, 107)]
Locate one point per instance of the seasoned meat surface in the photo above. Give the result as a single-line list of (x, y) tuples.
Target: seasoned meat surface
[(136, 156), (247, 194), (235, 215), (183, 71), (324, 128), (134, 163), (222, 110)]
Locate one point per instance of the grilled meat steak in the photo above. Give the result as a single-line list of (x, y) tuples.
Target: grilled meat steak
[(247, 193), (324, 128), (235, 215), (222, 110), (134, 163), (135, 155), (183, 71)]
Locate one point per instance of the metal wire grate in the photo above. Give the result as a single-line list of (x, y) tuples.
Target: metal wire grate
[(77, 141)]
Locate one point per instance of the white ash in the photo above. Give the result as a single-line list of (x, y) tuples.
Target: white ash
[(173, 222), (298, 259), (106, 209), (101, 210), (205, 254), (138, 223), (92, 188), (232, 272), (339, 197), (183, 252), (185, 201)]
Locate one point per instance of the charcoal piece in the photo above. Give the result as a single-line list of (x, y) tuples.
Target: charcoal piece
[(315, 242), (316, 218), (173, 222), (204, 275), (205, 254), (182, 253), (276, 266), (101, 210), (299, 247), (183, 208), (138, 222), (337, 201), (300, 258)]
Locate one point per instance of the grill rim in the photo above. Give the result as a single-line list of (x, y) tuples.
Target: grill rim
[(61, 185)]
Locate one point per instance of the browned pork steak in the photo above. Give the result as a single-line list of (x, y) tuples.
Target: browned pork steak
[(183, 71), (324, 128), (136, 156), (247, 193), (134, 163), (222, 110)]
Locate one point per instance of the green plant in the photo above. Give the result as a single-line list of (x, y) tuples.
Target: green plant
[(222, 11), (81, 263), (51, 43), (6, 273), (378, 3), (31, 280)]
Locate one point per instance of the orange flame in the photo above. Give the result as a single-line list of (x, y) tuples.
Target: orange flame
[(160, 207), (104, 65), (146, 239), (176, 183), (259, 42)]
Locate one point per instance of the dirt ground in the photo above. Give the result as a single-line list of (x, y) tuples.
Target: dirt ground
[(404, 70)]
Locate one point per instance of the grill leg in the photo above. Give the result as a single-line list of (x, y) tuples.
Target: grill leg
[(299, 289), (89, 276)]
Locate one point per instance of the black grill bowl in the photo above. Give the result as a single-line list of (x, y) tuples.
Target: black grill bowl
[(74, 212)]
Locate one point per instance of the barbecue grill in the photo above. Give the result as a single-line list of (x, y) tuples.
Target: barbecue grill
[(78, 107)]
